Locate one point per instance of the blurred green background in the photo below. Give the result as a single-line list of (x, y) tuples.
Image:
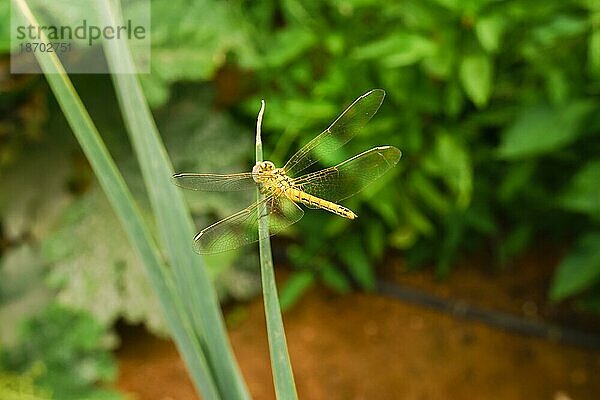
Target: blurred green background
[(494, 104)]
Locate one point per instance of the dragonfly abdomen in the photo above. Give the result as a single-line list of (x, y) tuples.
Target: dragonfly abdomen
[(314, 201)]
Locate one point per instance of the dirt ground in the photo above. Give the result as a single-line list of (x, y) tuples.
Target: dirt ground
[(365, 346)]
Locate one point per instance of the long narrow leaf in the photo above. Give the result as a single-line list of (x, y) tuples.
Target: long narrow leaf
[(175, 226), (127, 212), (283, 377)]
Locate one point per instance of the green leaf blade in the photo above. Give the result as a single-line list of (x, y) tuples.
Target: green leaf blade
[(583, 193), (476, 73), (543, 129), (579, 269), (175, 226), (283, 377)]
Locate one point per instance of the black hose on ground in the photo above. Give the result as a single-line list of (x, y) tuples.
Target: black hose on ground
[(497, 319)]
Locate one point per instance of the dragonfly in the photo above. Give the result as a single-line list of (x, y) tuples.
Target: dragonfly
[(283, 189)]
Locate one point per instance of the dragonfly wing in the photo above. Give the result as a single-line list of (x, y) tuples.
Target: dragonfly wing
[(351, 176), (215, 182), (241, 228), (338, 133)]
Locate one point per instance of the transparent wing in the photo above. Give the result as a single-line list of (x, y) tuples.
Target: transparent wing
[(338, 134), (215, 182), (351, 176), (241, 228)]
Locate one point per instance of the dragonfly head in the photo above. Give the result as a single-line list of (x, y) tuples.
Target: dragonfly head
[(261, 168)]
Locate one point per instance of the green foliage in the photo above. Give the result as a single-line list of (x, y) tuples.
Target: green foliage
[(4, 26), (69, 349), (583, 191), (494, 105), (357, 263), (295, 287), (23, 291), (580, 269), (545, 129), (89, 263), (475, 73), (491, 103), (191, 41), (94, 267), (22, 386)]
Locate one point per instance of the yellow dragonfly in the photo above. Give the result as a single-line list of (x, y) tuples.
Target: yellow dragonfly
[(282, 193)]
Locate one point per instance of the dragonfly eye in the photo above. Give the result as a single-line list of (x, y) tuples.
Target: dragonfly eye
[(261, 168)]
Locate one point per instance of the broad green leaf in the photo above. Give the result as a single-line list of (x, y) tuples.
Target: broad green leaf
[(191, 41), (376, 239), (386, 211), (476, 78), (450, 161), (155, 89), (74, 350), (287, 45), (583, 192), (454, 229), (23, 290), (454, 99), (5, 18), (412, 215), (514, 243), (95, 269), (481, 219), (515, 178), (404, 237), (295, 287), (594, 53), (334, 278), (561, 26), (468, 7), (355, 259), (181, 63), (428, 192), (397, 50), (450, 4), (558, 85), (22, 386), (441, 62), (590, 300), (489, 31), (579, 269), (543, 129)]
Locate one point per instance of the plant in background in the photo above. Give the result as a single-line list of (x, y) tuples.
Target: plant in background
[(68, 353), (493, 103), (21, 386)]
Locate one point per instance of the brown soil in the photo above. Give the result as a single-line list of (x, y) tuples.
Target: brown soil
[(364, 346)]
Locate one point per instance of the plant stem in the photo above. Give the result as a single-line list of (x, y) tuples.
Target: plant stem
[(283, 377)]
